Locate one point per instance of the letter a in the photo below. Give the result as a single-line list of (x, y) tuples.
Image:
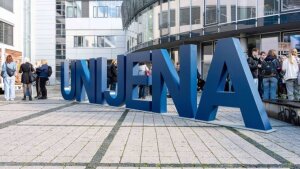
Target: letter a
[(230, 60)]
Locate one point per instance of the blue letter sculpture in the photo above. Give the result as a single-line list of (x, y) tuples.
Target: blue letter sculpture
[(134, 79), (183, 90), (86, 77), (119, 98), (101, 81), (229, 59), (68, 91)]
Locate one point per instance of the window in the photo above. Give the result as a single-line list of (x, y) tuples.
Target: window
[(246, 9), (71, 12), (211, 12), (291, 41), (60, 51), (196, 15), (60, 8), (95, 41), (185, 16), (140, 38), (78, 41), (118, 8), (227, 10), (6, 33), (268, 7), (74, 9), (288, 5), (100, 11), (7, 4), (164, 19), (223, 14), (106, 41)]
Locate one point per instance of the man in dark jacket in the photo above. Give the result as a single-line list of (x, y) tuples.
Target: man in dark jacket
[(43, 74), (114, 74), (254, 64)]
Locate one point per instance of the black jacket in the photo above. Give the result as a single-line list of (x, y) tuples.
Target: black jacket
[(253, 65), (113, 71), (26, 69)]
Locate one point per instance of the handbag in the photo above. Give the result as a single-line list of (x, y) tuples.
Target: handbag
[(33, 77), (10, 72)]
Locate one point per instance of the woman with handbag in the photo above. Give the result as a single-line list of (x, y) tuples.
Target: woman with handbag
[(27, 78), (291, 68), (8, 74)]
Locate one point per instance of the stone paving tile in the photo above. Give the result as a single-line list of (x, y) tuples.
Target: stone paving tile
[(285, 142), (91, 108), (28, 107), (76, 118), (50, 144), (6, 116), (74, 135)]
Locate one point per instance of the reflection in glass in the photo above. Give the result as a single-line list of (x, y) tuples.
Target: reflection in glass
[(227, 11), (246, 9), (291, 41), (268, 7), (211, 12), (288, 5)]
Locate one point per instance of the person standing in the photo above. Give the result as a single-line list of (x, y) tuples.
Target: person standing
[(253, 62), (143, 71), (27, 69), (270, 68), (114, 74), (262, 57), (37, 81), (8, 74), (44, 72), (291, 68)]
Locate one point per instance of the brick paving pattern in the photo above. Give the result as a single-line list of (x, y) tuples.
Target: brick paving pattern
[(56, 134)]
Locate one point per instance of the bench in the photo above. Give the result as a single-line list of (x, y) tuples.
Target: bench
[(285, 110)]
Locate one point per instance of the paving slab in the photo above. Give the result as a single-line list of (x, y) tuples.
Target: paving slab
[(76, 136)]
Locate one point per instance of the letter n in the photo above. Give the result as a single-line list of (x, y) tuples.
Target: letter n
[(229, 59), (86, 77)]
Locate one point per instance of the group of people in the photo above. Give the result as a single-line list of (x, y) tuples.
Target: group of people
[(276, 76), (39, 74), (112, 74)]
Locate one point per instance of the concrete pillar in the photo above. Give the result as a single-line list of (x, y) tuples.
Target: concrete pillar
[(199, 58), (2, 61), (244, 45)]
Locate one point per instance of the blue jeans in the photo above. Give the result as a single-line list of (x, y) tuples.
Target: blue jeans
[(270, 88)]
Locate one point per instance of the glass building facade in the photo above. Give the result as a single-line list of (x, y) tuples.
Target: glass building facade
[(264, 24)]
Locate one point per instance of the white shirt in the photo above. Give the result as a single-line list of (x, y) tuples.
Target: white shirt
[(143, 69), (291, 70)]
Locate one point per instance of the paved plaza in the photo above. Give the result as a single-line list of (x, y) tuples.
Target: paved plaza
[(56, 134)]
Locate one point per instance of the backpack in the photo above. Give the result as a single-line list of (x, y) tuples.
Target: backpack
[(268, 68), (10, 72), (49, 71)]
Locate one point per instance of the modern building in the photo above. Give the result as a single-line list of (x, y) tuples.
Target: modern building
[(75, 29), (11, 31), (264, 24)]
